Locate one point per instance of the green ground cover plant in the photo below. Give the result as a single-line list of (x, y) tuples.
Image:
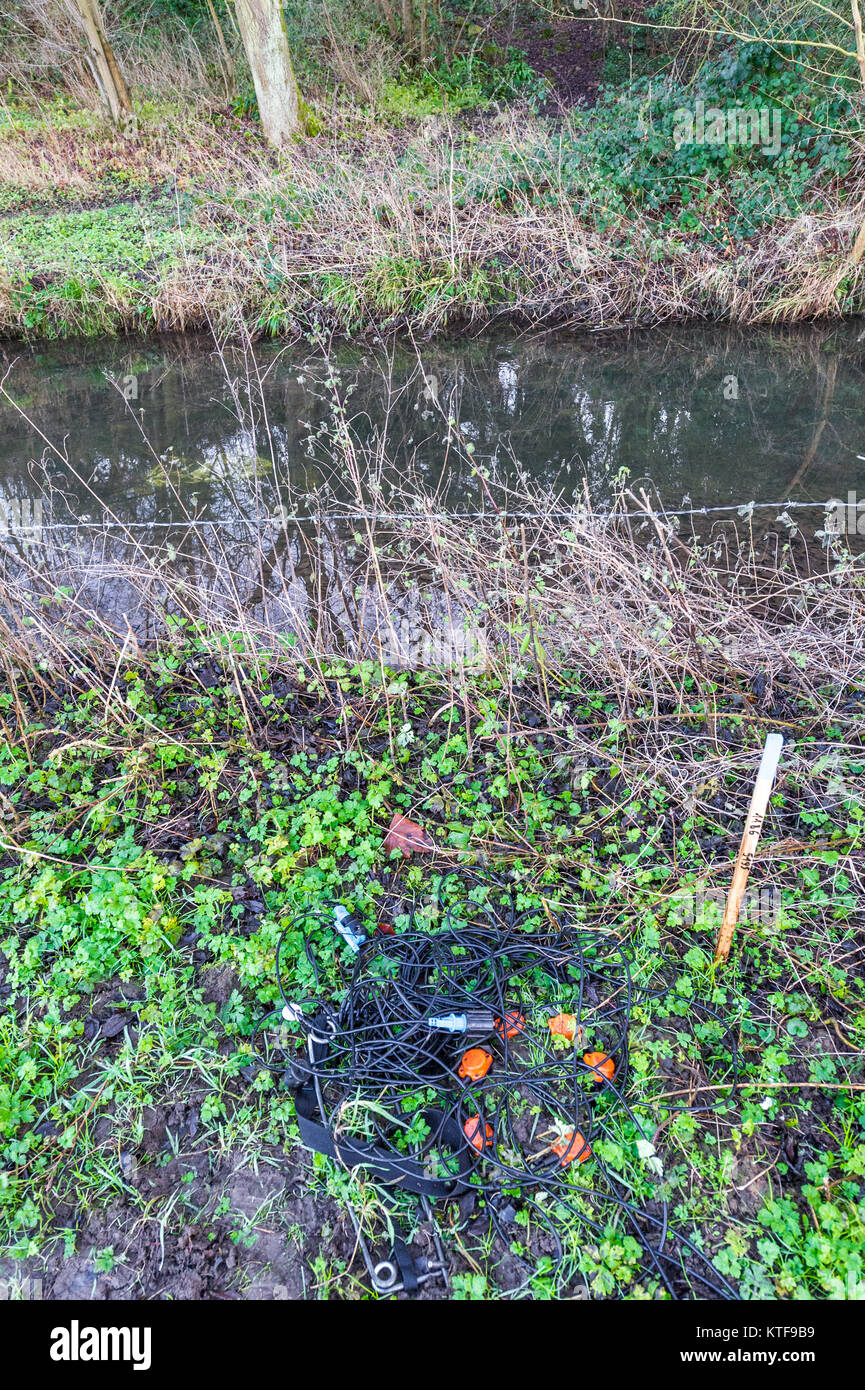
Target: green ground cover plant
[(166, 815)]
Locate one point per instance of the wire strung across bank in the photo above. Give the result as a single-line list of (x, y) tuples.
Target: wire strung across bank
[(483, 1062), (300, 518)]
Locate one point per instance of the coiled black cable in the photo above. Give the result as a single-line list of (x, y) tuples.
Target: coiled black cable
[(529, 1109)]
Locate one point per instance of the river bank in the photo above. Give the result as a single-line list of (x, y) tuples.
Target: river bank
[(592, 220)]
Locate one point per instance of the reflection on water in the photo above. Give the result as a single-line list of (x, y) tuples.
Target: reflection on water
[(184, 443), (159, 430)]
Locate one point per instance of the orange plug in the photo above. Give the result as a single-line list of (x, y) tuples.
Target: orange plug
[(475, 1064), (572, 1147), (565, 1025), (472, 1130), (513, 1022), (601, 1063)]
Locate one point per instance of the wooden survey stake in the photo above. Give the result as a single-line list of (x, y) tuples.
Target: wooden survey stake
[(745, 858)]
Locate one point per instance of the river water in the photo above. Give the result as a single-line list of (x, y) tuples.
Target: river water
[(114, 451), (149, 432)]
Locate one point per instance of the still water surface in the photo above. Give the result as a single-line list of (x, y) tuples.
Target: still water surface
[(154, 432)]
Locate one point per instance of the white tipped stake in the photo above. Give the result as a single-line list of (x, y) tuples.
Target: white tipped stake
[(747, 849)]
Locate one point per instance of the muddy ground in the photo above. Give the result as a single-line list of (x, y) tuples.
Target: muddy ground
[(193, 1223)]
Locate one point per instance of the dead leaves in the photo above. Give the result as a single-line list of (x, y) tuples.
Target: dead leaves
[(406, 835)]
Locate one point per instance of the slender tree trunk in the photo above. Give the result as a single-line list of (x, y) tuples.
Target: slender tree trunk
[(424, 45), (390, 18), (226, 56), (408, 24), (858, 250), (262, 29), (105, 68), (860, 39)]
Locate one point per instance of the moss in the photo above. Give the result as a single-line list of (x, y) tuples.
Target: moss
[(309, 118)]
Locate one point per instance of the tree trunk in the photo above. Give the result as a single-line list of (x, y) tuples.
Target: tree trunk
[(424, 42), (408, 24), (859, 244), (226, 56), (262, 29), (860, 39), (390, 18), (104, 65)]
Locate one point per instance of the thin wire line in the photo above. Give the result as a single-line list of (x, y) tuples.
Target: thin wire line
[(195, 523)]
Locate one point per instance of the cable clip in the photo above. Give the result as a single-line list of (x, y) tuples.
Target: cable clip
[(349, 928), (293, 1013), (472, 1021), (448, 1023)]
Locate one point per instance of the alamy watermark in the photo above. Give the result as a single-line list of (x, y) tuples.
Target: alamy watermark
[(759, 906), (24, 1290), (844, 518), (407, 646), (21, 517), (77, 1343), (715, 125)]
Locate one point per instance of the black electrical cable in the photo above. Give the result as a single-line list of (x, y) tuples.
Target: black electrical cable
[(390, 1069)]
